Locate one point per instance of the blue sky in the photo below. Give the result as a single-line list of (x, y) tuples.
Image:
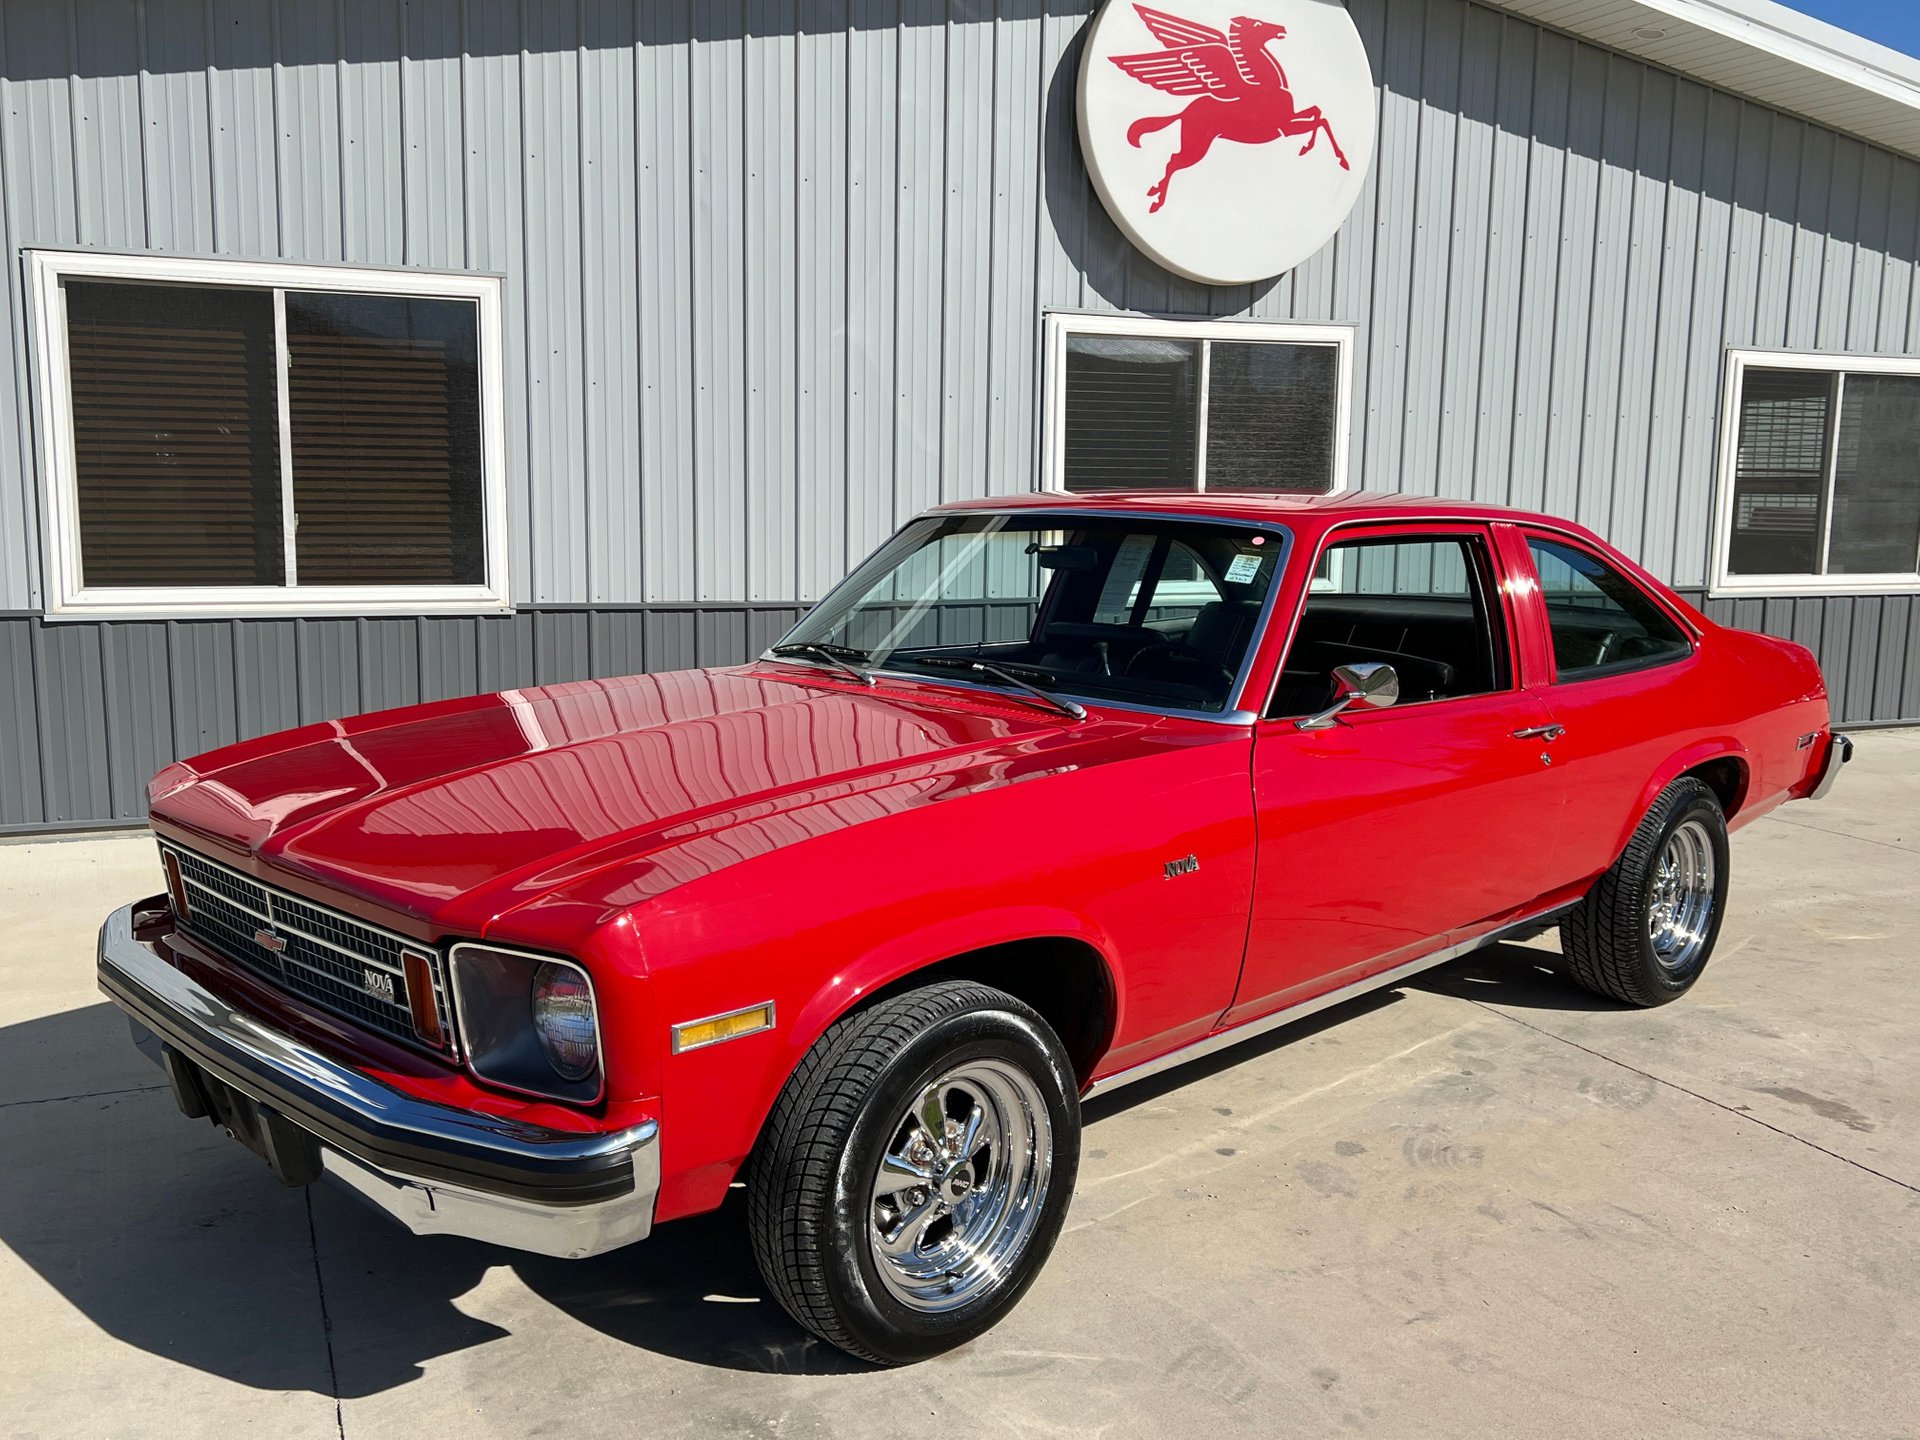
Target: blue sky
[(1891, 22)]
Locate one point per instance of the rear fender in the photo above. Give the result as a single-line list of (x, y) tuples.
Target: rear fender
[(1719, 747)]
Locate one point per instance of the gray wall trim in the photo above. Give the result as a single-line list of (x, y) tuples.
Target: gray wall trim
[(90, 710)]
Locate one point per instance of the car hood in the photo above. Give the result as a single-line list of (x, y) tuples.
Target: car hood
[(453, 812)]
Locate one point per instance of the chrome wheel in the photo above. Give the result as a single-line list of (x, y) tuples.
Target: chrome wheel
[(1680, 902), (961, 1186)]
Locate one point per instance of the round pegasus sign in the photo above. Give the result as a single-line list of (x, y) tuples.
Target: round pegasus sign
[(1230, 139)]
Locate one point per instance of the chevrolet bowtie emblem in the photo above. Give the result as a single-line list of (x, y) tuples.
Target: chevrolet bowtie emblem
[(268, 940)]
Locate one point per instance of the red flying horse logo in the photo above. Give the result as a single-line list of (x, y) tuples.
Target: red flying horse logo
[(1240, 91)]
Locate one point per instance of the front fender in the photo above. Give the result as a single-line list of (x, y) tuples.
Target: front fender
[(902, 955)]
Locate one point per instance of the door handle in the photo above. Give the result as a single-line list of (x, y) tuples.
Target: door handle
[(1540, 732)]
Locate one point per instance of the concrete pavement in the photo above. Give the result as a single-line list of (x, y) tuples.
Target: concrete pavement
[(1479, 1204)]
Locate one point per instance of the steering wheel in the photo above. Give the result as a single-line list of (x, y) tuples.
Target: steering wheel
[(1183, 657)]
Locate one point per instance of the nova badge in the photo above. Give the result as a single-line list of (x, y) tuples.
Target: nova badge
[(1185, 865), (268, 941), (377, 983)]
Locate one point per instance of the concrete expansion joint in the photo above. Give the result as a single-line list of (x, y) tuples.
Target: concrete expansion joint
[(1695, 1094)]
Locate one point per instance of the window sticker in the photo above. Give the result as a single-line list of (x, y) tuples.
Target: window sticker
[(1243, 568)]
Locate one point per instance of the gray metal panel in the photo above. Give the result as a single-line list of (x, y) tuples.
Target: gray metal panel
[(20, 770), (774, 281)]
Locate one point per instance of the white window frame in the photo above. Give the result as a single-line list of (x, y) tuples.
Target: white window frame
[(1722, 581), (68, 598), (1061, 324)]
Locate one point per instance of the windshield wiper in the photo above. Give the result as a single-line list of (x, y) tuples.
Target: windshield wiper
[(1006, 675), (826, 657)]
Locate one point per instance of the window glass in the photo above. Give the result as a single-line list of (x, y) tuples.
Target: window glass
[(1055, 601), (1270, 416), (176, 435), (1132, 412), (1601, 621), (1780, 472), (1419, 605), (1132, 408), (384, 398), (1876, 477)]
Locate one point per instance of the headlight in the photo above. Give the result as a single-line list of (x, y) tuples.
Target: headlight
[(527, 1022), (563, 1019)]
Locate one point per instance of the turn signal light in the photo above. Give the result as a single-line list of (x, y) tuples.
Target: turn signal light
[(714, 1029), (426, 1013), (176, 887)]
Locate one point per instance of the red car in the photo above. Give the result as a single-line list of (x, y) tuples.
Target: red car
[(1051, 794)]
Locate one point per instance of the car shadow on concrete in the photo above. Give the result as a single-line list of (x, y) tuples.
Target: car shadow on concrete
[(1517, 976), (173, 1239)]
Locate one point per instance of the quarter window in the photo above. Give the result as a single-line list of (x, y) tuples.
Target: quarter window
[(1820, 490), (1601, 621), (1168, 405), (243, 437)]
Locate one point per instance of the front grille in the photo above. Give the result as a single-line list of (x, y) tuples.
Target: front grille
[(327, 956)]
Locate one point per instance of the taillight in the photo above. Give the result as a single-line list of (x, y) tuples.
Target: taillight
[(176, 887)]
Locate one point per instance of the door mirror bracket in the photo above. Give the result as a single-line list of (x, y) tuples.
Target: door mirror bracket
[(1368, 682)]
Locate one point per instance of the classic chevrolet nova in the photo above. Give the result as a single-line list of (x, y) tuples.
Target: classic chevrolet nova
[(1051, 794)]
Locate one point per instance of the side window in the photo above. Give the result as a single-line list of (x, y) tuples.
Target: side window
[(1419, 604), (1602, 622)]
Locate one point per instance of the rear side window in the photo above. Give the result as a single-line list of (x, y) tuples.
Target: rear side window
[(1602, 622)]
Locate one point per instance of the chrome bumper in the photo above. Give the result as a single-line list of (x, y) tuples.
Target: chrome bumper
[(435, 1169), (1839, 752)]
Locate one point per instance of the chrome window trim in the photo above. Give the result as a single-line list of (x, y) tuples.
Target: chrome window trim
[(1237, 717), (1483, 524), (460, 1030)]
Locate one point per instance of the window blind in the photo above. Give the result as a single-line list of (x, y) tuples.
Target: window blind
[(383, 394), (176, 434)]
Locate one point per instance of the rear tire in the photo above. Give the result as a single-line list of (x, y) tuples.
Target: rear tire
[(915, 1171), (1647, 928)]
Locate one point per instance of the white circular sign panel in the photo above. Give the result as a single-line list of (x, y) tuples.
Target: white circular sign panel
[(1227, 138)]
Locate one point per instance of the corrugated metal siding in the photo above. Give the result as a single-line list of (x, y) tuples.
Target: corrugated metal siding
[(775, 275), (106, 705)]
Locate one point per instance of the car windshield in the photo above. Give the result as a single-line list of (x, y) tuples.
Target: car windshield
[(1153, 612)]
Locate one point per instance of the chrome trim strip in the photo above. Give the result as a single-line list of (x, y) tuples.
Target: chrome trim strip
[(773, 1020), (1250, 1029)]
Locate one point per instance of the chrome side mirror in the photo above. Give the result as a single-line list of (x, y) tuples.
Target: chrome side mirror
[(1369, 682)]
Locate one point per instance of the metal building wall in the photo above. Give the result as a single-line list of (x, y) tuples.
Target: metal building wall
[(775, 274)]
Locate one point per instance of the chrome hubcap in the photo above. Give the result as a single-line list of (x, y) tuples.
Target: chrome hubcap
[(1680, 903), (961, 1187)]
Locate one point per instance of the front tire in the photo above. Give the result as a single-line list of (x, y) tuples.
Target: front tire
[(1647, 928), (915, 1171)]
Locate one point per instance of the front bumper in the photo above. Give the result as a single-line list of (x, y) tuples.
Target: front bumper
[(436, 1169)]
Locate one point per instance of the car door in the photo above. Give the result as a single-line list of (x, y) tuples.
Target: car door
[(1622, 681), (1393, 828)]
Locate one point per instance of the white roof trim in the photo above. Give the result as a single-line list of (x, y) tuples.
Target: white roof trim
[(1762, 50)]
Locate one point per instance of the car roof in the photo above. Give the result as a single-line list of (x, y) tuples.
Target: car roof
[(1317, 511)]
